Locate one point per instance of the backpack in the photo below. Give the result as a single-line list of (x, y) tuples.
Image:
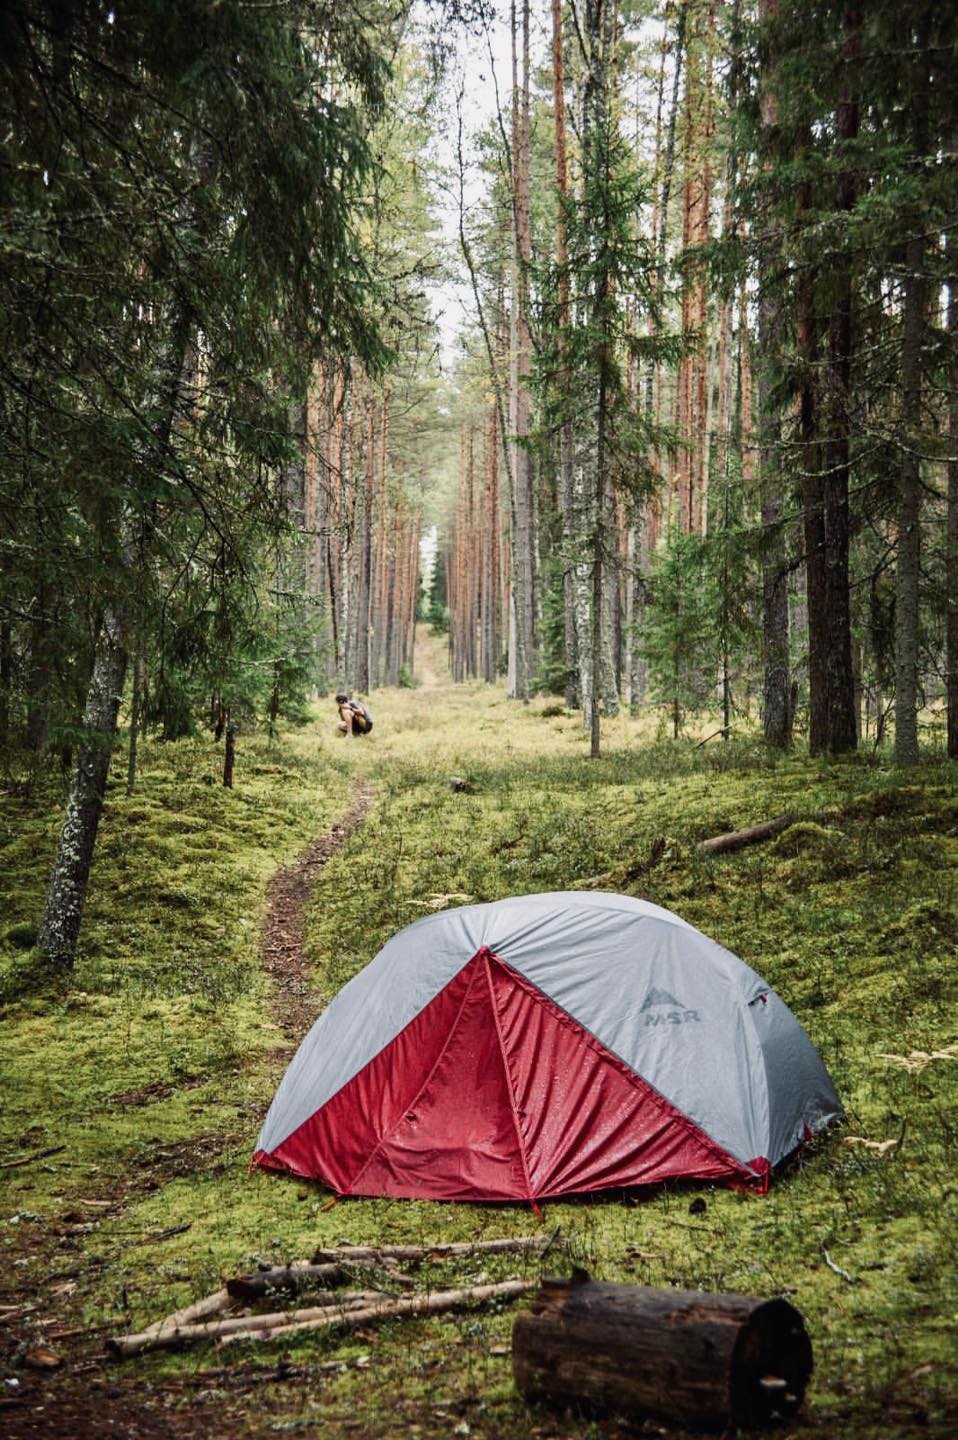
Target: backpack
[(362, 720)]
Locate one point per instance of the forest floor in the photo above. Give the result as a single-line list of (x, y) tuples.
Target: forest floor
[(207, 949)]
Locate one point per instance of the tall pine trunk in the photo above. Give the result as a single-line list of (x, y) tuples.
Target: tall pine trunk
[(951, 553), (838, 713), (777, 717), (523, 619), (907, 572), (566, 444)]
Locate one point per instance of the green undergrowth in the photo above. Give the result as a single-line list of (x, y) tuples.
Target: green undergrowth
[(167, 1011), (849, 913)]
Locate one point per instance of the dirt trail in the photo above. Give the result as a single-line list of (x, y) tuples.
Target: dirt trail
[(294, 1003), (84, 1399), (431, 664)]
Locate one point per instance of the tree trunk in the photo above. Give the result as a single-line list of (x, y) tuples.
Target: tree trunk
[(136, 707), (777, 716), (229, 754), (665, 183), (6, 679), (907, 571), (951, 541), (596, 120), (696, 1359), (566, 450), (524, 546), (813, 524), (39, 671), (63, 912), (838, 710)]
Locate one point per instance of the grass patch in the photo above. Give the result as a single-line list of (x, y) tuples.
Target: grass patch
[(168, 985)]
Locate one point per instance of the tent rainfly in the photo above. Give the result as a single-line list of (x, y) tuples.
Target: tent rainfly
[(547, 1045)]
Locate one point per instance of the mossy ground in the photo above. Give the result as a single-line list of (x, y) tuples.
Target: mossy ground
[(155, 1066)]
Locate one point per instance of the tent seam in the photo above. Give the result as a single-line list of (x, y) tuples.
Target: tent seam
[(757, 1040), (390, 1132), (490, 955), (637, 1080)]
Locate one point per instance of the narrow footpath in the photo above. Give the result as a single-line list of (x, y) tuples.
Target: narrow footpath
[(295, 1006)]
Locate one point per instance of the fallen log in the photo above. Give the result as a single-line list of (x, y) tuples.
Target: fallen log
[(167, 1338), (156, 1235), (700, 1360), (448, 1251), (297, 1275), (738, 839), (29, 1159), (302, 1275), (199, 1310), (434, 1303)]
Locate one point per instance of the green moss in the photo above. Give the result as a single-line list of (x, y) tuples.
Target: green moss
[(156, 1066), (167, 985)]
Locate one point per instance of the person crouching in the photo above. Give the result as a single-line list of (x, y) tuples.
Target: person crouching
[(353, 717)]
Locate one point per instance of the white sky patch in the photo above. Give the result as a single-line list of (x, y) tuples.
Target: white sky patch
[(473, 74)]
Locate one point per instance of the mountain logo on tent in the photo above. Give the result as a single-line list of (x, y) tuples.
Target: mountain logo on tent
[(660, 997), (677, 1013)]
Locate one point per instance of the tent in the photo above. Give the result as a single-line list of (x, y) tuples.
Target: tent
[(547, 1045)]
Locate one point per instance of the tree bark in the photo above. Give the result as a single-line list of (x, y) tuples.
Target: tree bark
[(6, 679), (523, 619), (229, 754), (738, 839), (813, 524), (838, 710), (213, 1304), (298, 1276), (63, 912), (908, 568), (566, 440), (777, 709), (684, 1356), (136, 707), (434, 1303), (951, 533)]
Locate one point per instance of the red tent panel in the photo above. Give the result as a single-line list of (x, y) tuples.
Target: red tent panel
[(587, 1121)]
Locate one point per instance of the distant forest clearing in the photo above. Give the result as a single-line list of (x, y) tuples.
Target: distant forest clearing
[(576, 386)]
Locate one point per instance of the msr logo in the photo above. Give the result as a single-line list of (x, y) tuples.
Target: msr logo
[(675, 1012)]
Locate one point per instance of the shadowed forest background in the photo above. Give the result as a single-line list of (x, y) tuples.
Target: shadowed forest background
[(579, 385)]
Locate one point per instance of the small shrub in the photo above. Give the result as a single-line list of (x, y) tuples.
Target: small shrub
[(22, 936)]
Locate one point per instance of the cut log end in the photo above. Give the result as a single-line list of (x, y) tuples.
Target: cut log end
[(771, 1365), (703, 1360)]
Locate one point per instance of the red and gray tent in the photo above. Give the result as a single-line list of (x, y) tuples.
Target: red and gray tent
[(547, 1045)]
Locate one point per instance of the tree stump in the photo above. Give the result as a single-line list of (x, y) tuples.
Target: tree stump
[(702, 1360)]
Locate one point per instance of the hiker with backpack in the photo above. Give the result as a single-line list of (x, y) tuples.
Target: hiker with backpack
[(354, 718)]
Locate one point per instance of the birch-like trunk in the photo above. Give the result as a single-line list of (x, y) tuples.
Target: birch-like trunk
[(63, 912)]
